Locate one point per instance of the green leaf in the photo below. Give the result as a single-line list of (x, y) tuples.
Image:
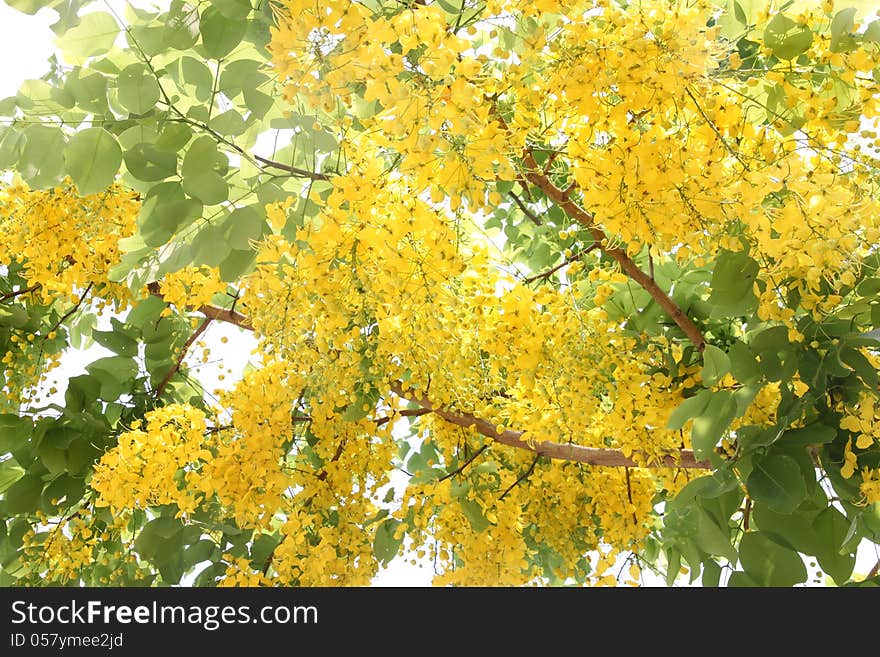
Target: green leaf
[(831, 528), (361, 407), (688, 409), (474, 513), (715, 364), (166, 210), (14, 316), (743, 365), (93, 157), (42, 159), (54, 458), (708, 429), (246, 224), (711, 573), (861, 366), (768, 563), (115, 373), (200, 168), (786, 38), (138, 89), (10, 472), (872, 33), (813, 434), (11, 145), (150, 541), (732, 284), (385, 545), (182, 25), (147, 163), (257, 102), (778, 482), (233, 9), (117, 342), (238, 75), (711, 538), (202, 550), (842, 38), (196, 73), (94, 35), (89, 90), (220, 35), (210, 246), (229, 123), (24, 495), (237, 264), (793, 530)]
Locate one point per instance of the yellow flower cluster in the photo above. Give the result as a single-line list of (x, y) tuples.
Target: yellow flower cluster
[(388, 300), (74, 549), (157, 464), (191, 287), (67, 242)]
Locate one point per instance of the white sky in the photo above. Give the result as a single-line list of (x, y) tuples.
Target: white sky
[(26, 44)]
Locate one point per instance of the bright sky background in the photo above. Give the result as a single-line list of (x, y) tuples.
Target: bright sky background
[(26, 42)]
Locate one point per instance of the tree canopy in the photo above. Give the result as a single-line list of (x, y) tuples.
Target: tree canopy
[(545, 292)]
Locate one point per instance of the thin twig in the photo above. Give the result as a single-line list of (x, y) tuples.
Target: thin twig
[(525, 210), (721, 138), (12, 295), (568, 261), (464, 465), (522, 477), (70, 312), (407, 412), (747, 512), (186, 345), (873, 571)]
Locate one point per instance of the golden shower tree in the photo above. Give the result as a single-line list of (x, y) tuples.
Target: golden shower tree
[(544, 292)]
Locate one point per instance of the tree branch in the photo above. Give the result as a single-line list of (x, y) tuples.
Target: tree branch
[(211, 312), (70, 312), (300, 173), (461, 468), (522, 477), (569, 452), (559, 451), (525, 210), (567, 261), (186, 345), (12, 295), (534, 174), (721, 138)]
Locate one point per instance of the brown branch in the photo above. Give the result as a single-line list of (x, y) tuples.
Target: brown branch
[(464, 465), (186, 345), (211, 312), (873, 571), (12, 295), (568, 261), (566, 452), (563, 200), (560, 451), (301, 173), (70, 312), (522, 477), (747, 511), (407, 412), (525, 210)]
